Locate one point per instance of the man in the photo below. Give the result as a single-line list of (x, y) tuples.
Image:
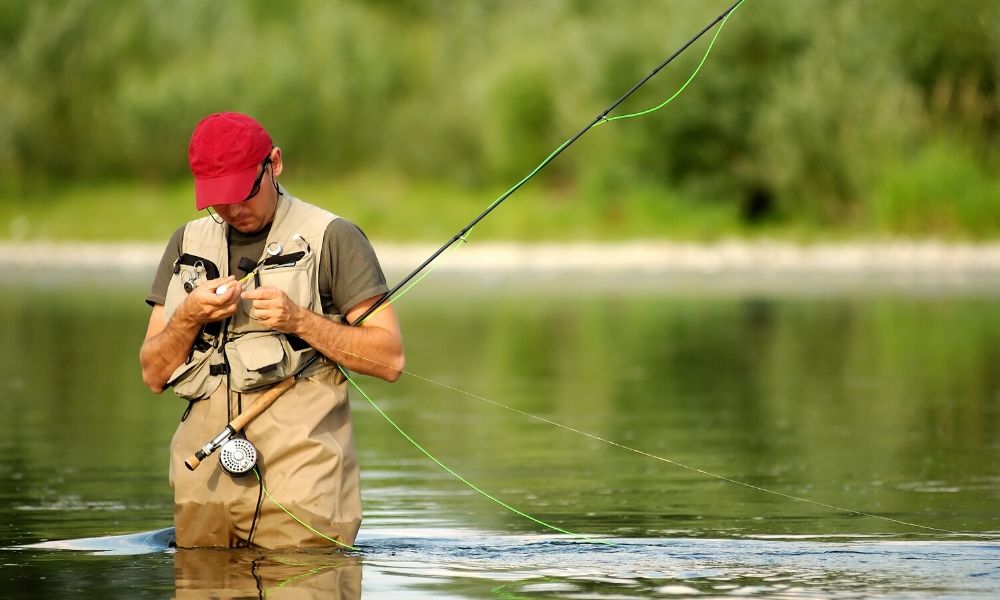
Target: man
[(243, 299)]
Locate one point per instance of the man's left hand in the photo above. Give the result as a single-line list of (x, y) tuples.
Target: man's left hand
[(274, 309)]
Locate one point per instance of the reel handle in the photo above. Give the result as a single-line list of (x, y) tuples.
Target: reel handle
[(260, 405)]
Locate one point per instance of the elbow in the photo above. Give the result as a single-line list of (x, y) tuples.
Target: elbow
[(154, 385), (395, 370)]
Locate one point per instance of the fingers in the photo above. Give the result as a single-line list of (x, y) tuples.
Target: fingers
[(265, 298), (220, 292), (262, 293), (205, 305), (273, 308)]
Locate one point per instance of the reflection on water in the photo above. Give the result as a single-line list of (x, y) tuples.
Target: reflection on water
[(247, 573), (884, 403), (439, 563)]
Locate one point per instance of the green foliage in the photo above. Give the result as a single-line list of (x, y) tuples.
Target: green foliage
[(807, 112), (939, 190)]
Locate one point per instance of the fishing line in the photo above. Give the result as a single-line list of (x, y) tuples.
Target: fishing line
[(451, 471), (617, 445), (691, 78), (305, 575), (300, 521), (256, 510)]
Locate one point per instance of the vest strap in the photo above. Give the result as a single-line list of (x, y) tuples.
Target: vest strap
[(220, 369)]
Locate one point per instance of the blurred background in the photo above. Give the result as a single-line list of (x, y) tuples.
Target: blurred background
[(872, 386), (809, 120)]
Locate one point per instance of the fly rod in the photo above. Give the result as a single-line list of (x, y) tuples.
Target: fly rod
[(272, 394)]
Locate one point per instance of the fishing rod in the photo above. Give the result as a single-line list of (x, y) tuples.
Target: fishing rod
[(244, 451)]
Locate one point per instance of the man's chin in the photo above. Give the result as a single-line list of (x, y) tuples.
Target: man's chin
[(246, 227)]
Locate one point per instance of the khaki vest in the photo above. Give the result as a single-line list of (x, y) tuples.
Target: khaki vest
[(257, 356)]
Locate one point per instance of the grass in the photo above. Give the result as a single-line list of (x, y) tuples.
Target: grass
[(391, 208), (386, 207), (941, 189)]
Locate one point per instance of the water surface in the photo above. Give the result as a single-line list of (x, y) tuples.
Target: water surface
[(873, 399)]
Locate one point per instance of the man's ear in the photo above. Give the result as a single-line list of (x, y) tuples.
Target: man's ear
[(276, 163)]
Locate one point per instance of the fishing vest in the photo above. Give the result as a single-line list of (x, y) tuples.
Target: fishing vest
[(250, 355)]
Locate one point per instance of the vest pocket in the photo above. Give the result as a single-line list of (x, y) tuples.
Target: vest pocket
[(297, 283), (256, 360), (193, 380)]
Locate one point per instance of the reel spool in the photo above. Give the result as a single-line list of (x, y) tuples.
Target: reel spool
[(237, 456)]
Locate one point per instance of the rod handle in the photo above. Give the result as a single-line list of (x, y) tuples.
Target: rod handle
[(192, 462), (261, 404)]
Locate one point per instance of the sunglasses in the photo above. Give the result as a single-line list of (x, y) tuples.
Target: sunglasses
[(256, 182)]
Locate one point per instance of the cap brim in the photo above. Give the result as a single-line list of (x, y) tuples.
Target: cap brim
[(228, 189)]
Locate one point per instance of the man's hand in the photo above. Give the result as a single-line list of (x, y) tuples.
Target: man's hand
[(168, 343), (204, 305), (273, 308)]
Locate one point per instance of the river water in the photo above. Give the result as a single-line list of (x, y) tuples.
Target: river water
[(805, 442)]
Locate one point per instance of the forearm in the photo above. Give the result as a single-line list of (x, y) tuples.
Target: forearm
[(370, 350), (162, 353)]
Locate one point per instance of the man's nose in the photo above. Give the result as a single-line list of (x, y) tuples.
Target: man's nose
[(230, 210)]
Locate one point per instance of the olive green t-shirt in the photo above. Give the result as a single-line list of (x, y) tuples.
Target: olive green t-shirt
[(349, 271)]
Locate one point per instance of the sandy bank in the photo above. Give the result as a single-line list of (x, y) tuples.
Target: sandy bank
[(930, 259)]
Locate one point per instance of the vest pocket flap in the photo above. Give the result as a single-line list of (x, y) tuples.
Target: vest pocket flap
[(256, 360), (193, 379), (261, 354)]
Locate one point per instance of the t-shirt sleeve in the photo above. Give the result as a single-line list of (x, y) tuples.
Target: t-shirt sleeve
[(349, 270), (158, 291)]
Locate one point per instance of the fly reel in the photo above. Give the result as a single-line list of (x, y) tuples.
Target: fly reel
[(237, 456)]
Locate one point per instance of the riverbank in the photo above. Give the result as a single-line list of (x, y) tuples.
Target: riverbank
[(920, 261)]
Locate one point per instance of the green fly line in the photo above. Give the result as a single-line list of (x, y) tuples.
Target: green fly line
[(305, 575), (452, 472), (678, 92), (312, 529), (616, 445)]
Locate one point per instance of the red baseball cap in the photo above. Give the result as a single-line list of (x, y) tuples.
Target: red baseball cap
[(225, 153)]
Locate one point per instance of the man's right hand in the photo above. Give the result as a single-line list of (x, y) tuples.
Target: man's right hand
[(204, 305)]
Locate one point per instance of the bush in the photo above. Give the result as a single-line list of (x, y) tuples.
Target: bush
[(805, 111)]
